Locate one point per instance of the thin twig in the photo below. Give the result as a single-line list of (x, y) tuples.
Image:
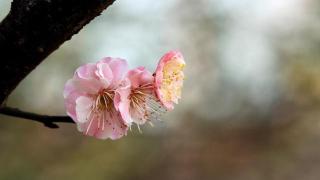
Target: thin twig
[(48, 121)]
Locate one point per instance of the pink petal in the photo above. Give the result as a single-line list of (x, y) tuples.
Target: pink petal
[(119, 68), (124, 108), (114, 128), (104, 73), (146, 77), (87, 83), (125, 86), (172, 55), (139, 76), (83, 108), (122, 103), (106, 60), (86, 79), (87, 71), (70, 105), (70, 95), (90, 127), (68, 88)]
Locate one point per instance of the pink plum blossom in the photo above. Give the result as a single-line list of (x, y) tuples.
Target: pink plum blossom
[(104, 99), (169, 78), (89, 98), (137, 101)]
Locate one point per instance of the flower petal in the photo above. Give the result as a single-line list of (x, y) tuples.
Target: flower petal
[(83, 108), (92, 100), (86, 79), (104, 126), (139, 76), (169, 78), (87, 71), (119, 68), (104, 73), (114, 127), (122, 103), (70, 95)]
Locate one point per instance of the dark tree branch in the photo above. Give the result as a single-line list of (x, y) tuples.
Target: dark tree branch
[(48, 121), (33, 29)]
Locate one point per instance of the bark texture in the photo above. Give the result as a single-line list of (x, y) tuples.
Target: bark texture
[(35, 28)]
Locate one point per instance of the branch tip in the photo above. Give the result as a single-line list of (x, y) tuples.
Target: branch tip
[(46, 120)]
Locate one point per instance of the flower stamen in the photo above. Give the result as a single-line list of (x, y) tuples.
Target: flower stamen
[(103, 104)]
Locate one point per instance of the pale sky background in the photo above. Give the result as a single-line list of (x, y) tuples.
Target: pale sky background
[(238, 64)]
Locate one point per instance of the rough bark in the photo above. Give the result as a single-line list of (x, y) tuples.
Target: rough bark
[(35, 28)]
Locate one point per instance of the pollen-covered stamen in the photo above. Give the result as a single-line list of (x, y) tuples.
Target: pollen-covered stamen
[(172, 80), (155, 109), (137, 103), (144, 87), (144, 106), (103, 103), (104, 100)]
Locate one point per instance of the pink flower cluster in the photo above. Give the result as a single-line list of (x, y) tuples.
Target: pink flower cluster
[(105, 99)]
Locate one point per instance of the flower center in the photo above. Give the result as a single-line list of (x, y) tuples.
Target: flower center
[(172, 80), (144, 105), (104, 101), (103, 105), (137, 98)]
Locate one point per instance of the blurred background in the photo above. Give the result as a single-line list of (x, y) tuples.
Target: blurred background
[(250, 108)]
